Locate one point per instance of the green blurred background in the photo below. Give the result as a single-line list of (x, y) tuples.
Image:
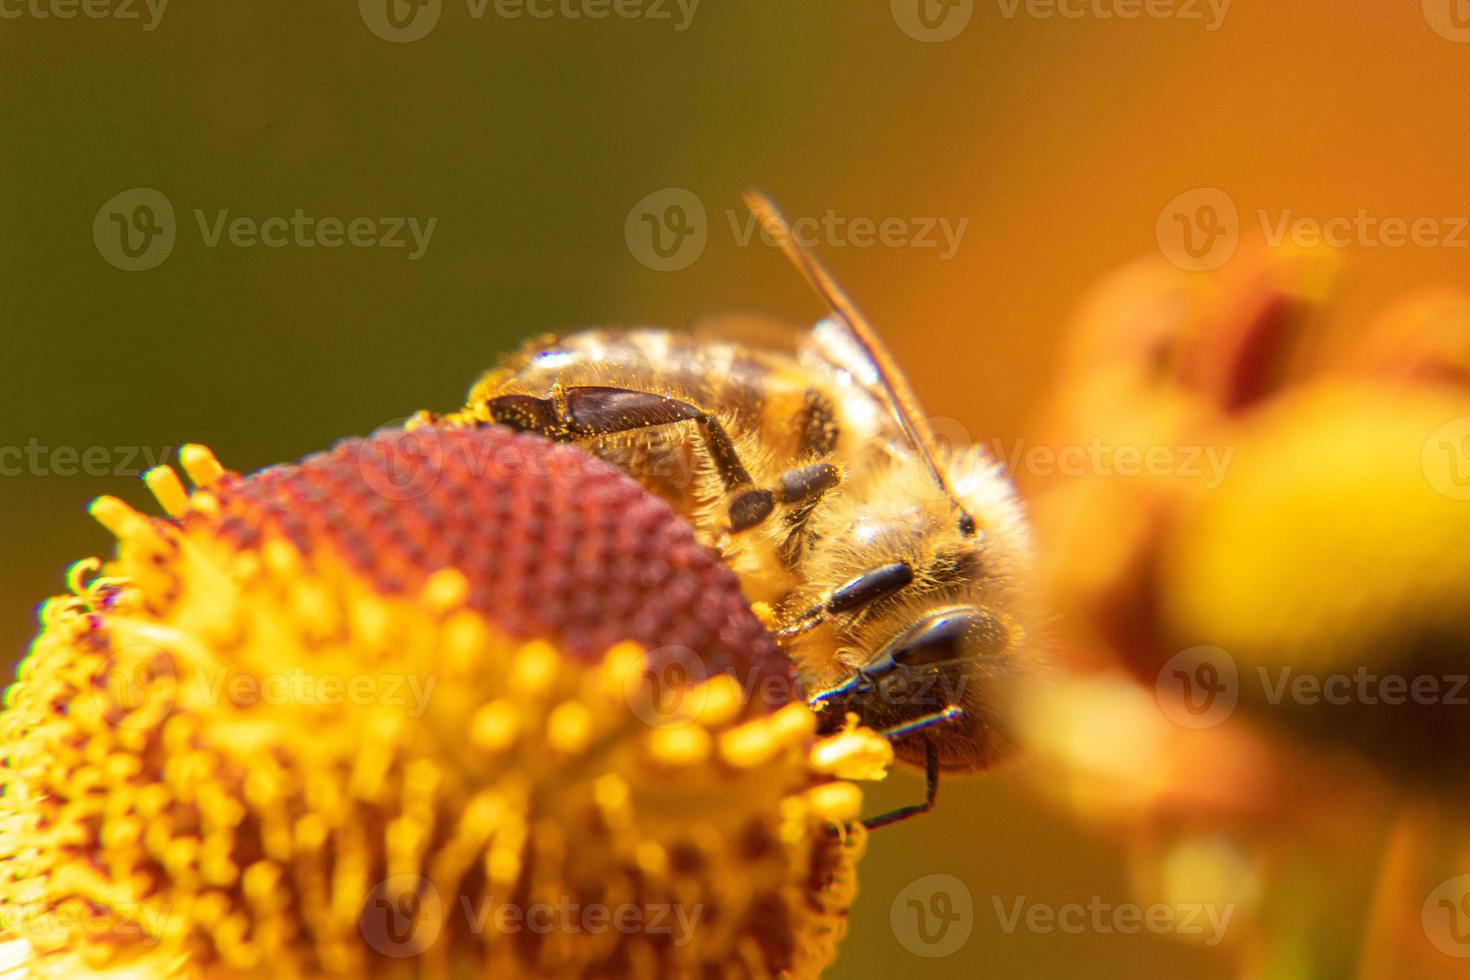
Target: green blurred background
[(529, 140)]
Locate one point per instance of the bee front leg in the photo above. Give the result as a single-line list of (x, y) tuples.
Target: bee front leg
[(931, 792), (853, 594), (527, 413)]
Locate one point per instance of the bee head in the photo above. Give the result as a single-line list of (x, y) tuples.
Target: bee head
[(949, 657), (951, 625)]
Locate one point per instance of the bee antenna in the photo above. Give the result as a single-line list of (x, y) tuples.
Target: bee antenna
[(891, 382)]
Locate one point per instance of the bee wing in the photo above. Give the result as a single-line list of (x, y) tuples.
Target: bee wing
[(751, 330), (853, 345), (830, 348)]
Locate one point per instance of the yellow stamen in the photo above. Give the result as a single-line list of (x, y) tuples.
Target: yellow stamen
[(168, 489), (120, 519), (445, 590), (569, 728), (201, 466), (685, 745), (853, 753)]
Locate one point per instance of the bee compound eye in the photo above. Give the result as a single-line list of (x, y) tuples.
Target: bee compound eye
[(948, 636)]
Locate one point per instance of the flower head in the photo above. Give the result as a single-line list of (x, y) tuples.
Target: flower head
[(452, 702)]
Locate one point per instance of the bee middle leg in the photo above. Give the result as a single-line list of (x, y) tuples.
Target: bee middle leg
[(802, 489), (590, 411)]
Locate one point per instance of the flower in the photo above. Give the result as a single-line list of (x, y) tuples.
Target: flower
[(1239, 611), (1309, 514), (440, 702)]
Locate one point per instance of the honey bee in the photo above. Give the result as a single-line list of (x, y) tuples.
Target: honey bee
[(897, 567)]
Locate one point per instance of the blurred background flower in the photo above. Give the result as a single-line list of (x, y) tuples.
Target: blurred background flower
[(1264, 618)]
